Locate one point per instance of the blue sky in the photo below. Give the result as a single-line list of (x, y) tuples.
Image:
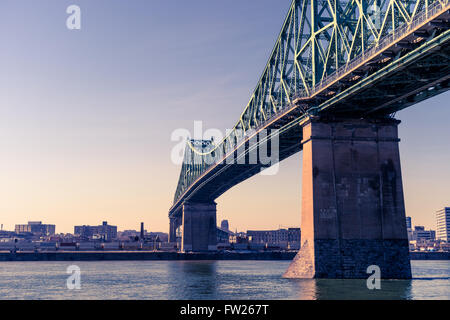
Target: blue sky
[(86, 115)]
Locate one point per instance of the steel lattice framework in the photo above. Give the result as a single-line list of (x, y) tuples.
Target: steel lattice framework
[(326, 50)]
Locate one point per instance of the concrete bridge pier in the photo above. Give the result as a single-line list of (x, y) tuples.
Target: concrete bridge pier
[(199, 227), (353, 211), (175, 222)]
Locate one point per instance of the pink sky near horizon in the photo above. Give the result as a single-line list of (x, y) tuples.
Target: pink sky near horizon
[(86, 116)]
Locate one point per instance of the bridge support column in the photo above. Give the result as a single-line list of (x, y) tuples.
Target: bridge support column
[(199, 227), (353, 212), (174, 224)]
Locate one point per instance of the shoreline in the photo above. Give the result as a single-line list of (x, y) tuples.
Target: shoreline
[(141, 256), (168, 256)]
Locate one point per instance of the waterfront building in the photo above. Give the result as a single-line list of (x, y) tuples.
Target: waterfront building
[(143, 235), (128, 235), (408, 223), (274, 237), (162, 236), (223, 235), (104, 231), (238, 237), (36, 228), (409, 229), (6, 234), (294, 235), (420, 234), (443, 224)]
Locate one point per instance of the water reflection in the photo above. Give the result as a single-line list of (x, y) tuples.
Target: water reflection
[(202, 282), (226, 280), (259, 280), (331, 289)]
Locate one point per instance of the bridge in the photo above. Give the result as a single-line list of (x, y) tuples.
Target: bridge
[(337, 75)]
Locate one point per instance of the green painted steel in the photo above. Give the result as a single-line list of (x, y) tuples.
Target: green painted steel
[(320, 43)]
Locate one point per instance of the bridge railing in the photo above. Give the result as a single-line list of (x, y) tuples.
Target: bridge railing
[(377, 47)]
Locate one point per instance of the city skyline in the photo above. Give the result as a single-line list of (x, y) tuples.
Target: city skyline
[(219, 225), (76, 153)]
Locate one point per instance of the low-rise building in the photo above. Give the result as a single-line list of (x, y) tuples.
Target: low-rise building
[(36, 228), (223, 236), (275, 237), (420, 234), (102, 232)]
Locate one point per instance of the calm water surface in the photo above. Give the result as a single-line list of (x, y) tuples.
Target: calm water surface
[(206, 280)]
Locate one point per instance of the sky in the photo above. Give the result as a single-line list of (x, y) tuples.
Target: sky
[(86, 116)]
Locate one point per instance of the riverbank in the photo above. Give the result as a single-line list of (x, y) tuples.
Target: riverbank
[(141, 255), (149, 255), (430, 255)]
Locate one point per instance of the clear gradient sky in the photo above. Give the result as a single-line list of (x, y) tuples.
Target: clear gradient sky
[(86, 116)]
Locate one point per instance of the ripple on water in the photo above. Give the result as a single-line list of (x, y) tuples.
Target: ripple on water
[(207, 280)]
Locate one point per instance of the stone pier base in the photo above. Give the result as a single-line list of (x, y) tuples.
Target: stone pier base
[(175, 222), (199, 227), (353, 212)]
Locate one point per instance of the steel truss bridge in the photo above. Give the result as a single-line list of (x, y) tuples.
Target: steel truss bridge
[(333, 58)]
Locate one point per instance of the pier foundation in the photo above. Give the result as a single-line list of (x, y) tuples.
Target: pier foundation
[(199, 227), (353, 211)]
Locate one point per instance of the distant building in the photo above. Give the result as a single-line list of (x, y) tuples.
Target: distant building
[(408, 223), (162, 236), (443, 224), (104, 232), (142, 235), (6, 234), (238, 237), (224, 225), (294, 234), (409, 228), (420, 234), (410, 234), (128, 235), (36, 228), (274, 236), (223, 235)]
